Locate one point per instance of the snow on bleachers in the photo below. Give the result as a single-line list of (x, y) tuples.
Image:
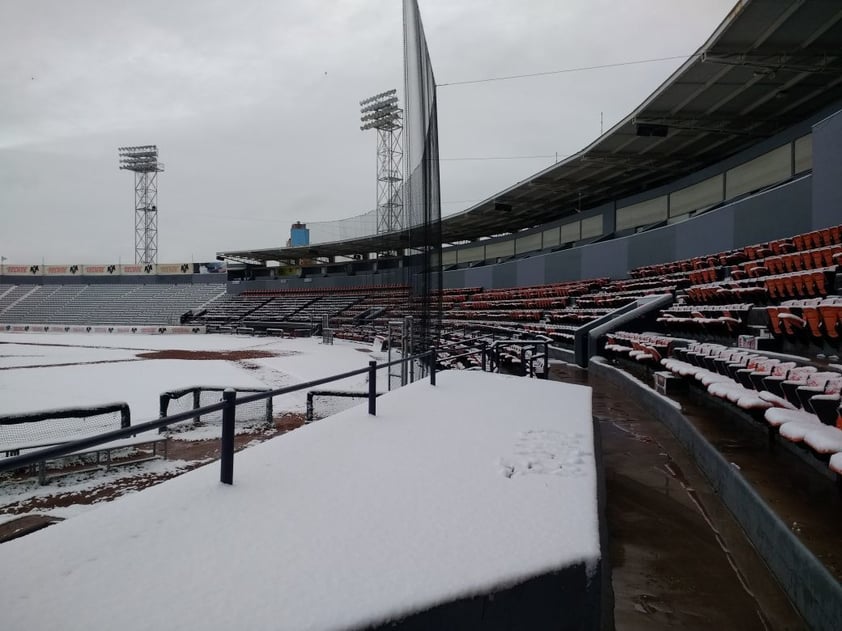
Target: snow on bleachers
[(109, 304)]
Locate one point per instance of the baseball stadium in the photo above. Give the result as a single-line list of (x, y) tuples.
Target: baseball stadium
[(605, 397)]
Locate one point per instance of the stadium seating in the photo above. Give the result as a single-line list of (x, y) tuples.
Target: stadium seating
[(105, 304)]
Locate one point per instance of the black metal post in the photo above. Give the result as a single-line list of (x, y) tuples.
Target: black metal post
[(372, 388), (546, 361), (164, 403), (433, 366), (125, 416), (308, 415), (197, 403), (226, 456)]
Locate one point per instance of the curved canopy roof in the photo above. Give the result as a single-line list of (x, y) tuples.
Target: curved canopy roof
[(769, 65)]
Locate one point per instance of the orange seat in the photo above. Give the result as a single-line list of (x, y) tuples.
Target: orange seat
[(831, 316), (786, 285), (826, 237), (813, 319), (821, 285), (791, 323)]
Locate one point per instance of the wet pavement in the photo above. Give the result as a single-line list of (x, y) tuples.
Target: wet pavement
[(678, 558)]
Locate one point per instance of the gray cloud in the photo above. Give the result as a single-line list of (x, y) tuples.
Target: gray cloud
[(254, 106)]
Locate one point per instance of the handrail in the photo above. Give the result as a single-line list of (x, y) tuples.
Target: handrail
[(64, 449)]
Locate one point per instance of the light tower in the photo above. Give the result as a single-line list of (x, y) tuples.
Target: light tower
[(381, 112), (143, 160)]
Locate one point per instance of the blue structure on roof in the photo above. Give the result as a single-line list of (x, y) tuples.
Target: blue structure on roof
[(299, 234)]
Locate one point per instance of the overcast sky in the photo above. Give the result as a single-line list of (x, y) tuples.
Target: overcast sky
[(254, 106)]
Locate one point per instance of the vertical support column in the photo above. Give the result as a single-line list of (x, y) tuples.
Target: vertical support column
[(406, 348), (125, 416), (433, 356), (270, 412), (546, 374), (372, 388), (163, 405), (226, 455), (197, 403)]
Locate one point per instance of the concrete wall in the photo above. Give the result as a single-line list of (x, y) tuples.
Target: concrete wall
[(777, 213), (827, 171)]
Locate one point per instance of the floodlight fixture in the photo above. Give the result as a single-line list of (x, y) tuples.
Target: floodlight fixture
[(382, 112), (143, 161)]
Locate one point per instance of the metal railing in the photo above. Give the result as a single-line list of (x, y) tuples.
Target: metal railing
[(228, 405)]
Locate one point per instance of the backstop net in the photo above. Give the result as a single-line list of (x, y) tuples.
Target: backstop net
[(356, 227), (50, 427), (252, 414), (422, 199)]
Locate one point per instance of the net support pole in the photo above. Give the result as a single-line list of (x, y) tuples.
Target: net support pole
[(125, 416), (372, 388), (433, 366), (226, 455)]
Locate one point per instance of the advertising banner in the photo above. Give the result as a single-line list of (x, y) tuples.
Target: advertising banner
[(138, 269), (100, 270), (62, 270), (175, 268), (23, 270)]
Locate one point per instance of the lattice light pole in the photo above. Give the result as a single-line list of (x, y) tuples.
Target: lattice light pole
[(143, 160), (381, 112)]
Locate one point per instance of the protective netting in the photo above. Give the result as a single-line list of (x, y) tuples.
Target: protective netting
[(246, 414), (422, 199), (363, 225), (58, 426)]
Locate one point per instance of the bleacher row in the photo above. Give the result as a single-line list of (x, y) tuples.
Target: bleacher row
[(797, 400), (717, 298), (104, 304)]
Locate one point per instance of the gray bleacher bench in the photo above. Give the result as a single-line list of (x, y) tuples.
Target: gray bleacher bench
[(245, 330)]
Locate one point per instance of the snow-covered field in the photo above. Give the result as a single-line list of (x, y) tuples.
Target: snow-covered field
[(480, 482), (47, 371)]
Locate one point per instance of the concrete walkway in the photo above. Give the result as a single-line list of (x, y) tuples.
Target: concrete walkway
[(679, 560)]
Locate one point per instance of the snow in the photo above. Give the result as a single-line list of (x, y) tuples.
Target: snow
[(140, 383), (449, 491), (824, 439), (836, 463)]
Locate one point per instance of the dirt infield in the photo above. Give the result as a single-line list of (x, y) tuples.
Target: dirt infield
[(232, 356)]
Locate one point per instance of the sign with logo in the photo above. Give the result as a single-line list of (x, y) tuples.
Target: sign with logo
[(175, 268), (100, 270), (23, 270), (62, 270), (137, 269)]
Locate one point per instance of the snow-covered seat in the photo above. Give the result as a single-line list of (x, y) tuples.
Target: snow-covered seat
[(795, 430), (824, 439), (778, 417), (835, 463)]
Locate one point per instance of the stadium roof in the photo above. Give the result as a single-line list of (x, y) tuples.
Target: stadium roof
[(769, 65)]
